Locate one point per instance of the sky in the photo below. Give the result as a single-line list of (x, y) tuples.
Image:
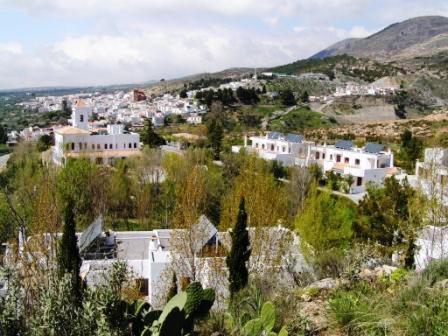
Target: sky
[(102, 42)]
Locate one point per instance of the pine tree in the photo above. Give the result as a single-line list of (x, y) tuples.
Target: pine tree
[(69, 260), (239, 253), (150, 137)]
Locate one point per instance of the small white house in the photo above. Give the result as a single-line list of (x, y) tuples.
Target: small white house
[(194, 119)]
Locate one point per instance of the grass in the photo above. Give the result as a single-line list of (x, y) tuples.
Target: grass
[(405, 306), (299, 120)]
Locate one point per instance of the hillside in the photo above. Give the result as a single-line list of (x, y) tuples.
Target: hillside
[(419, 36)]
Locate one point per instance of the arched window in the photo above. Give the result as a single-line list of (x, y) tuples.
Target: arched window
[(135, 145), (81, 118)]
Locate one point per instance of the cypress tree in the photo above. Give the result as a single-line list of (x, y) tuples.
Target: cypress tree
[(239, 253), (69, 260), (173, 289), (150, 137)]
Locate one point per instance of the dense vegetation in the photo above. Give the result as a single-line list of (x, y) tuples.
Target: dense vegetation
[(363, 69), (340, 239)]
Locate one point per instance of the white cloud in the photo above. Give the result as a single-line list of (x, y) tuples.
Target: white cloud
[(261, 8), (137, 40), (11, 48), (300, 29)]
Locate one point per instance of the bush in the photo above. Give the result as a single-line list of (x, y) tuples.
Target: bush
[(436, 271)]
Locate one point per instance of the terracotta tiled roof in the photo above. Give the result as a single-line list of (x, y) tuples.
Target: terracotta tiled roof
[(80, 103), (70, 130)]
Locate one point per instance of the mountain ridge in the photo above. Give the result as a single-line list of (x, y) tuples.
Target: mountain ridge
[(412, 35)]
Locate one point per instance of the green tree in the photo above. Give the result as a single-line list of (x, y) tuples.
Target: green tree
[(44, 143), (240, 252), (326, 222), (384, 214), (411, 149), (69, 260), (288, 98), (305, 98), (215, 134), (150, 137), (183, 93), (3, 134)]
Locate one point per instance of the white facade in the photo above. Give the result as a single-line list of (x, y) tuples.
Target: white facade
[(103, 146), (286, 149), (369, 164), (194, 119), (364, 165), (431, 175)]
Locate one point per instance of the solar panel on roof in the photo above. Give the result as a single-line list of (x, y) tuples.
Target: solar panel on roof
[(274, 135), (373, 148), (92, 232), (203, 231), (344, 144), (294, 138)]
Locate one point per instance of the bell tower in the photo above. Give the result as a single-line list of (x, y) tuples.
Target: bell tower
[(80, 115)]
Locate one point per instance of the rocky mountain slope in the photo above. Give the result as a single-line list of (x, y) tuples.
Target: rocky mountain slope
[(421, 36)]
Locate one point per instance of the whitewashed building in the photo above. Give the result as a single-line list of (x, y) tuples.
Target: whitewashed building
[(372, 163), (288, 149), (369, 164), (102, 145)]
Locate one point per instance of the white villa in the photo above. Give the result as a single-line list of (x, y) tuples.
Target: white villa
[(372, 163), (102, 145)]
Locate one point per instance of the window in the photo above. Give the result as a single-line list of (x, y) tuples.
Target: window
[(317, 155), (130, 145), (111, 146), (331, 157), (98, 146), (357, 162), (256, 145), (73, 145), (272, 147), (81, 118), (135, 145), (359, 181), (105, 146), (283, 149), (93, 146), (338, 158), (346, 160), (80, 146), (143, 286), (262, 146), (323, 156)]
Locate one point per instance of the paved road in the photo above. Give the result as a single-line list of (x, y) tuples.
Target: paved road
[(3, 160)]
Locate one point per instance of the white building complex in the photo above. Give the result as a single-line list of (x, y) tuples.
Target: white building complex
[(372, 163), (101, 145)]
